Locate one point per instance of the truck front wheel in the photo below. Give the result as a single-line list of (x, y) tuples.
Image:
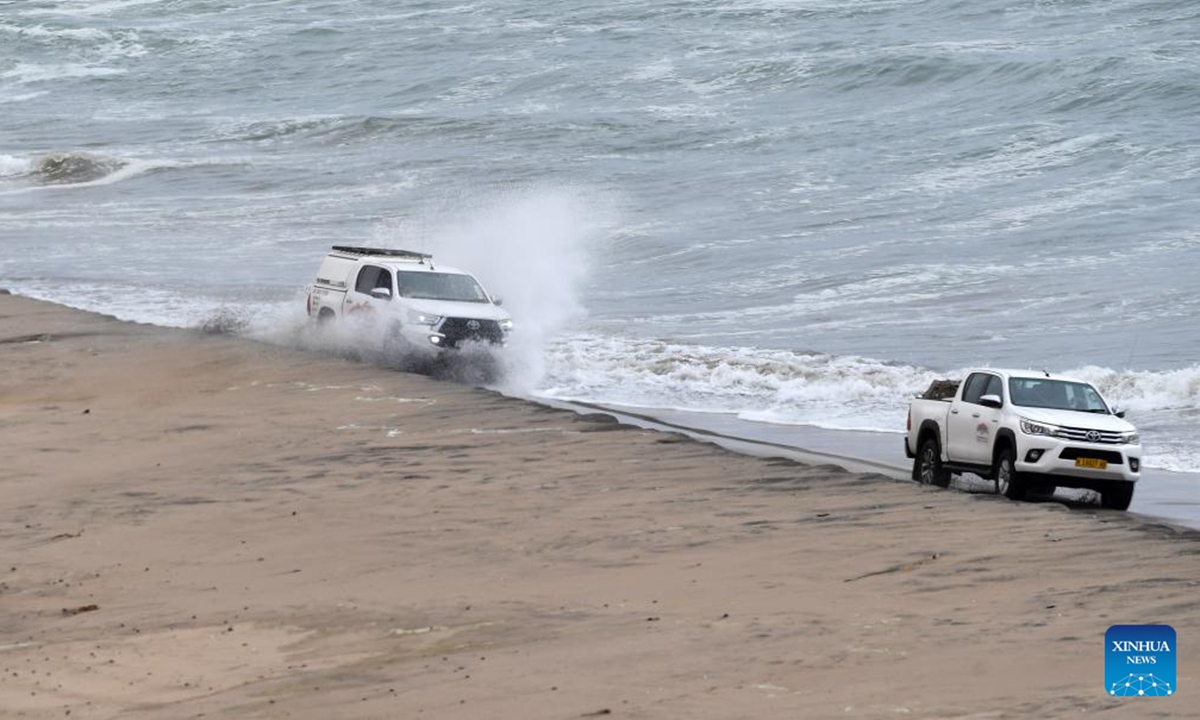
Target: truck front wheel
[(1008, 483), (927, 467), (1117, 496)]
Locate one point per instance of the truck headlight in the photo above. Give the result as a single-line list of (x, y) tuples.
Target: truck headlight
[(421, 318), (1030, 427), (506, 325), (1132, 438)]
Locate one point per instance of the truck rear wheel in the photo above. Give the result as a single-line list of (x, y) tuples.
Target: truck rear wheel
[(1117, 496), (1008, 482), (927, 467)]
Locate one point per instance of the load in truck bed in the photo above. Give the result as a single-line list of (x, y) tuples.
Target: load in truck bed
[(941, 390)]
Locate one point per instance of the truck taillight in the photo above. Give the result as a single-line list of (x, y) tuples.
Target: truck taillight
[(308, 304), (908, 422)]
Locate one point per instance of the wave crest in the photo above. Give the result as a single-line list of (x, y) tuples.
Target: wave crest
[(70, 168), (829, 391)]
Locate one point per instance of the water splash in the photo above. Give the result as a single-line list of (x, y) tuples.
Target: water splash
[(530, 247)]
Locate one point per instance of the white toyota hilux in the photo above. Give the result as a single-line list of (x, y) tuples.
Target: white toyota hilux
[(413, 305), (1025, 429)]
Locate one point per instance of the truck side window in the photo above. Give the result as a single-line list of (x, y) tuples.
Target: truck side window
[(994, 387), (384, 280), (368, 279), (976, 384)]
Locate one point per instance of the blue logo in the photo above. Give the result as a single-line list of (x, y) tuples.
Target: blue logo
[(1139, 661)]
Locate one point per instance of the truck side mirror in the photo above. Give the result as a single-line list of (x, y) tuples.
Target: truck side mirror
[(992, 401), (381, 293), (1118, 412), (497, 301)]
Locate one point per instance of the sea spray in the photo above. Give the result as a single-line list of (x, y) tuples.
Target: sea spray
[(288, 324), (530, 247)]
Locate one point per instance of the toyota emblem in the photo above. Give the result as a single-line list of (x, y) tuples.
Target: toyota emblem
[(1093, 436), (472, 324)]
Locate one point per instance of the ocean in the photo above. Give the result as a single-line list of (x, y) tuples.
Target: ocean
[(787, 213)]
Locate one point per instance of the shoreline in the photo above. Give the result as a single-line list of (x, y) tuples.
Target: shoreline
[(867, 450), (1162, 495), (197, 524)]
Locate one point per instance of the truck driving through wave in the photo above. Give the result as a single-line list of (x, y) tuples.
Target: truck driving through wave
[(1025, 429), (416, 307)]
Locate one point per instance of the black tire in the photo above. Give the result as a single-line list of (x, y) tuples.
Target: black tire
[(325, 316), (1008, 482), (927, 465), (1117, 496)]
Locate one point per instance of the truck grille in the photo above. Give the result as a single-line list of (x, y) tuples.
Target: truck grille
[(1091, 436), (460, 330)]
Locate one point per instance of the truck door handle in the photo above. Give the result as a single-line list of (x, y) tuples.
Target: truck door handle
[(953, 412), (974, 415)]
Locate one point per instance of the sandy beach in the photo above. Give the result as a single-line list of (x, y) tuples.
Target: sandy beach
[(199, 526)]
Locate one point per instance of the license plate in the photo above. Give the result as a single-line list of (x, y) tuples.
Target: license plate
[(1094, 463)]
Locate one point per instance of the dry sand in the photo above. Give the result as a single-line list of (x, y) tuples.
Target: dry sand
[(198, 526)]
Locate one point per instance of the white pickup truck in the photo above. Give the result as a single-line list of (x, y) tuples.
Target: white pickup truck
[(413, 306), (1025, 429)]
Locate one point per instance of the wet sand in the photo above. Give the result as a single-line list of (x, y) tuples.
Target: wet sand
[(1162, 495), (197, 526)]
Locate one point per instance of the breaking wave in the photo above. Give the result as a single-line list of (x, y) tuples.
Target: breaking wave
[(68, 168), (81, 169), (780, 386), (830, 391), (1146, 391)]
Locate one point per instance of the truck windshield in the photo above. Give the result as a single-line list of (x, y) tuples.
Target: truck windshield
[(440, 286), (1055, 394)]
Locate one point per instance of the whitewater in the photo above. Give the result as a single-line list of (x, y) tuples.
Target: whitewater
[(789, 213)]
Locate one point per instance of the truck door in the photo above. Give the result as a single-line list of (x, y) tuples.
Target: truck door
[(368, 301), (972, 426)]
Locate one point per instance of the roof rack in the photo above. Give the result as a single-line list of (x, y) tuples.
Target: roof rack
[(385, 252)]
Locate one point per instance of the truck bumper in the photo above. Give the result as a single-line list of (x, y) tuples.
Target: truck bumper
[(427, 341), (1080, 465)]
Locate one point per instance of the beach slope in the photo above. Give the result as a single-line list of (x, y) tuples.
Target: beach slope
[(196, 525)]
